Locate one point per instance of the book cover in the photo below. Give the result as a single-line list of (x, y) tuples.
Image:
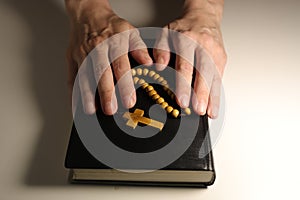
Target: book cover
[(188, 160)]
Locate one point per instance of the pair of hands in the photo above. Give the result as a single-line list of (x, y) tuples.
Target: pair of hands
[(93, 21)]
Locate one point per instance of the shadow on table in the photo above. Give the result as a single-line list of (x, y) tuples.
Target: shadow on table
[(165, 12), (49, 28)]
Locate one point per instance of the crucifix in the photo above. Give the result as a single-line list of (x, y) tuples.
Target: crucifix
[(137, 117)]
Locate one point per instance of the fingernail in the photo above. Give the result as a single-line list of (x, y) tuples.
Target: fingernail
[(184, 101), (214, 112), (160, 64), (148, 60), (114, 106), (89, 108), (160, 60), (201, 107), (129, 101), (110, 108)]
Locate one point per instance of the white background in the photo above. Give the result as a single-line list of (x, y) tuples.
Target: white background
[(257, 155)]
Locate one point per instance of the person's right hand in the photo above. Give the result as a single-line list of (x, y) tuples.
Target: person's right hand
[(92, 22)]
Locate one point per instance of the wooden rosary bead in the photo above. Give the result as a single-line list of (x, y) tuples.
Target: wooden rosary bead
[(145, 71), (155, 97), (135, 79), (145, 85), (160, 79), (169, 109), (160, 100), (141, 81), (152, 92), (133, 72), (165, 88), (151, 73), (149, 88), (156, 76), (175, 113), (187, 111), (164, 82), (164, 105), (139, 71), (169, 92), (173, 96)]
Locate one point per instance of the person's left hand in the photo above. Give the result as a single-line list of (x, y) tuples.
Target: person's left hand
[(203, 29)]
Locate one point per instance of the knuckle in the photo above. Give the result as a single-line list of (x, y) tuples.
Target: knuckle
[(122, 25), (116, 66), (206, 39), (106, 92), (190, 34), (98, 72), (185, 67), (224, 58), (120, 68), (174, 25), (94, 41), (137, 43)]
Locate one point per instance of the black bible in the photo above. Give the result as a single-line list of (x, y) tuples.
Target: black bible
[(193, 167)]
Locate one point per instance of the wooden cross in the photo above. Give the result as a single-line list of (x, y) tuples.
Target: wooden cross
[(137, 117)]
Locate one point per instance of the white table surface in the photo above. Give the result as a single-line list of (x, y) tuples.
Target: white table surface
[(257, 155)]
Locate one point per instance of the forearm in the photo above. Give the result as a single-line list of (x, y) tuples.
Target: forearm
[(75, 8), (205, 8)]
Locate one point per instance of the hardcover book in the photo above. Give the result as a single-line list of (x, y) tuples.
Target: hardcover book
[(163, 144)]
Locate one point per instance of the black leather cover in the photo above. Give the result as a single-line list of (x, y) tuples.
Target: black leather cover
[(78, 157)]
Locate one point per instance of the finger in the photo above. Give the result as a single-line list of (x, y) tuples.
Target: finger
[(162, 59), (214, 98), (84, 83), (142, 57), (107, 94), (184, 45), (99, 56), (93, 40), (201, 94), (208, 71), (104, 78), (138, 49), (121, 67), (86, 91), (161, 50), (185, 50), (205, 66), (184, 77)]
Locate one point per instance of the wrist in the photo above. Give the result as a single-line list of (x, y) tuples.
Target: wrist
[(77, 9), (202, 9)]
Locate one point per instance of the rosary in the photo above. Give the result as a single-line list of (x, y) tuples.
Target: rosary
[(137, 116)]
